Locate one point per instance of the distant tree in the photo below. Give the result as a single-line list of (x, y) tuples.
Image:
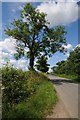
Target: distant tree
[(54, 69), (74, 60), (31, 31), (71, 66), (42, 64)]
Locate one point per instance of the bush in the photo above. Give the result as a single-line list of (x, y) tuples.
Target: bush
[(13, 92), (18, 85), (26, 94)]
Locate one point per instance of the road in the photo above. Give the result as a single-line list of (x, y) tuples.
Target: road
[(68, 93)]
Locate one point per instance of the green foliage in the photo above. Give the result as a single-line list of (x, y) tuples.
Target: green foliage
[(12, 80), (17, 85), (32, 31), (70, 77), (42, 64), (26, 94), (71, 66), (13, 90), (74, 61), (36, 106)]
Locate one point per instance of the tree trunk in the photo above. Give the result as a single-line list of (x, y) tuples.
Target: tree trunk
[(31, 64)]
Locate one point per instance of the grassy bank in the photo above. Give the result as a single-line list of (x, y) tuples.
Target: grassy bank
[(38, 99), (38, 105), (71, 77)]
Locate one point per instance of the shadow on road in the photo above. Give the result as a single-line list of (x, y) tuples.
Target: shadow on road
[(60, 81)]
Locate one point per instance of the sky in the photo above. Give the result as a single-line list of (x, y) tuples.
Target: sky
[(65, 12)]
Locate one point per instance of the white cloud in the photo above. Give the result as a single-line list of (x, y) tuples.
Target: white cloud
[(62, 13), (22, 64), (67, 54), (8, 45), (7, 50), (4, 55), (77, 45), (68, 46)]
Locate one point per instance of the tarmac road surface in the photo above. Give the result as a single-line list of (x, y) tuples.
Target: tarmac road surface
[(68, 93)]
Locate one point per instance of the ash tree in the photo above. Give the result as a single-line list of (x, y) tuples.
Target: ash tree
[(32, 31)]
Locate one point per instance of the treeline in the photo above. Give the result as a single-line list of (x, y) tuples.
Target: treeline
[(71, 66)]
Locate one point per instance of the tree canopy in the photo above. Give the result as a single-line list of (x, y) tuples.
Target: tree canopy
[(31, 31)]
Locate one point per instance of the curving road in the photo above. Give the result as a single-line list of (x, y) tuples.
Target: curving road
[(68, 93)]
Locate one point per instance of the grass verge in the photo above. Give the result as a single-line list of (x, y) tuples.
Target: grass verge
[(71, 77), (39, 103)]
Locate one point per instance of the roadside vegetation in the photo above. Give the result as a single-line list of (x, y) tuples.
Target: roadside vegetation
[(26, 94), (69, 68), (70, 77)]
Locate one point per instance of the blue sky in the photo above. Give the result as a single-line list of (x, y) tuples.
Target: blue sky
[(11, 10)]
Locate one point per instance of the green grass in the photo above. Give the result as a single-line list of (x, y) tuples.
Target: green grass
[(39, 103), (71, 77)]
